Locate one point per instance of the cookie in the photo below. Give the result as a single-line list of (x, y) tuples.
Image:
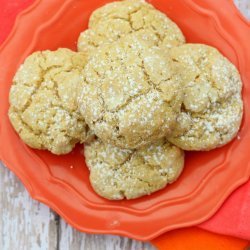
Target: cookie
[(212, 106), (131, 97), (117, 173), (115, 20), (43, 106)]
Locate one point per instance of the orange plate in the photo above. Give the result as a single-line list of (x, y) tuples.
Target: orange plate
[(62, 182)]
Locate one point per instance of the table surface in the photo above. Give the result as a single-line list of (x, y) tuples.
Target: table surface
[(26, 224)]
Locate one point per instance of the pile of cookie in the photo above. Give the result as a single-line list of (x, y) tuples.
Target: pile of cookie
[(135, 94)]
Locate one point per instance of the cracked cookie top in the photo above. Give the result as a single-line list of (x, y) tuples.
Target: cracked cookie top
[(115, 20), (212, 106), (43, 105), (131, 96), (122, 173)]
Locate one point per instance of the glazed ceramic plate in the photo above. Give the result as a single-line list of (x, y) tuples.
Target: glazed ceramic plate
[(62, 182)]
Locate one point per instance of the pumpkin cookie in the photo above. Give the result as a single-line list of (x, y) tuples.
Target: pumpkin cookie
[(131, 96), (212, 106), (121, 173), (43, 106), (115, 20)]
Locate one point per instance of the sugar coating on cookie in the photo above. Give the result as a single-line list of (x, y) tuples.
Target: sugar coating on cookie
[(131, 96), (121, 173), (212, 106), (115, 20), (43, 106)]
